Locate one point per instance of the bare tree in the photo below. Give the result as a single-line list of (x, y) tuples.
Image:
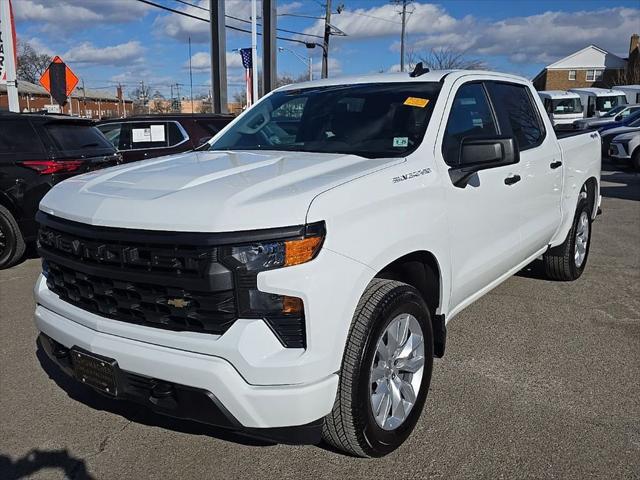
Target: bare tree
[(444, 58), (31, 63)]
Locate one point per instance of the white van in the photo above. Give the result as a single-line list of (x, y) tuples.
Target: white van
[(598, 101), (631, 91), (562, 107)]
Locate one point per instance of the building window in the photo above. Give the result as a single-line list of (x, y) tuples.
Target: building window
[(594, 75), (572, 74)]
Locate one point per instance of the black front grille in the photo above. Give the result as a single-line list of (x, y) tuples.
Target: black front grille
[(177, 281), (145, 304), (134, 256)]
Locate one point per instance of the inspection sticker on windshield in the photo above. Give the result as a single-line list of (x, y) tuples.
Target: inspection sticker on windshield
[(401, 141), (416, 102)]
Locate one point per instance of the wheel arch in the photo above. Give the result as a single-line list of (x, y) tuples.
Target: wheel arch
[(421, 270), (592, 188)]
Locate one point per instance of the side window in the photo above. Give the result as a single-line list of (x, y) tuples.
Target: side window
[(148, 135), (470, 117), (112, 132), (175, 134), (517, 114), (18, 137)]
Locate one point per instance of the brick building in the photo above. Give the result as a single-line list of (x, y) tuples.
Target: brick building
[(89, 104), (590, 67)]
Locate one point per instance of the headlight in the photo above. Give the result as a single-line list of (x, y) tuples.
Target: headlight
[(264, 256), (248, 260)]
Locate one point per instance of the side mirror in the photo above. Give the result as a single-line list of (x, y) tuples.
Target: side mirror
[(482, 153)]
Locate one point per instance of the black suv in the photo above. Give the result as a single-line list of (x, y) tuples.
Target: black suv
[(36, 152), (149, 136)]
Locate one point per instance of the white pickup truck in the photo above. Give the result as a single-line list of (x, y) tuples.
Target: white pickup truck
[(293, 281)]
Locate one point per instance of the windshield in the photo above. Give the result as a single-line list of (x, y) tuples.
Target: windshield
[(614, 111), (566, 105), (371, 120), (604, 104)]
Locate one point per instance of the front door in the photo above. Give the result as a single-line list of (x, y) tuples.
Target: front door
[(484, 228)]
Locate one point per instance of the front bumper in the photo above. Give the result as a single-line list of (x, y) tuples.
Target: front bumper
[(247, 406)]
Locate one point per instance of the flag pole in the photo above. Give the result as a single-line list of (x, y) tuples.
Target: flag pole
[(8, 40), (254, 50)]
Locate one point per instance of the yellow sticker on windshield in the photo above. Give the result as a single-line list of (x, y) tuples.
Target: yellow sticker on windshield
[(416, 102)]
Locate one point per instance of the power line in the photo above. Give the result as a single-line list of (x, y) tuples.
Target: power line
[(244, 20)]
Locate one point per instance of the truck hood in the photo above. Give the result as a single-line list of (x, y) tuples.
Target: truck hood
[(618, 131), (207, 191)]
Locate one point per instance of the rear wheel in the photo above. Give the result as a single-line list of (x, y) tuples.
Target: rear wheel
[(385, 374), (568, 260), (11, 242)]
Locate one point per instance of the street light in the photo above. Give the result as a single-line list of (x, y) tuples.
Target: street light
[(307, 61), (323, 46)]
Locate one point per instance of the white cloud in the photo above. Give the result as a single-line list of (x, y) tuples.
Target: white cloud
[(541, 38), (181, 27), (80, 13), (201, 61), (88, 54)]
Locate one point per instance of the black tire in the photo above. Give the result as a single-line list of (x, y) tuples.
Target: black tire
[(559, 262), (635, 160), (351, 425), (12, 244)]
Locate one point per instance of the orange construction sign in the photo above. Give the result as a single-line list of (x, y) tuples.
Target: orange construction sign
[(59, 80)]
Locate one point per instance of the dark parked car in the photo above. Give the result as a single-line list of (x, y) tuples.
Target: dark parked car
[(143, 137), (36, 152)]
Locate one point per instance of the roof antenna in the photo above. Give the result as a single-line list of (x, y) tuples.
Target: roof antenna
[(419, 70)]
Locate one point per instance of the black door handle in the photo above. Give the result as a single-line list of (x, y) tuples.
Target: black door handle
[(555, 165), (512, 179)]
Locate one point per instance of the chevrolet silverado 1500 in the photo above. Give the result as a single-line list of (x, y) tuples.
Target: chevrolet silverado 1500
[(294, 280)]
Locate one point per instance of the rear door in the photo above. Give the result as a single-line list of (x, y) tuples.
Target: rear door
[(540, 163), (484, 223)]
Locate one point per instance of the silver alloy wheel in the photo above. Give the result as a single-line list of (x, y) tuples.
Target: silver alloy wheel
[(396, 371), (582, 239)]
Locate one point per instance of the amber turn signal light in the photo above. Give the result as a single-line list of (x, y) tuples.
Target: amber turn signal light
[(292, 306), (301, 251)]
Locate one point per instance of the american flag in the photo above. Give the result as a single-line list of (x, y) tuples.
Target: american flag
[(247, 63)]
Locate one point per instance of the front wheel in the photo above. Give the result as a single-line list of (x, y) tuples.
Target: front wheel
[(385, 374), (567, 261)]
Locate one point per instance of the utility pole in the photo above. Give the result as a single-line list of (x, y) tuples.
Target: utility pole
[(403, 32), (402, 35), (84, 100), (218, 55), (269, 46), (190, 78), (327, 35)]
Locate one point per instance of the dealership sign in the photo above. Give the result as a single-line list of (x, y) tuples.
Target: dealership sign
[(7, 39)]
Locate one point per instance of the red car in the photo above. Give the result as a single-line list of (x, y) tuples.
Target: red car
[(150, 136)]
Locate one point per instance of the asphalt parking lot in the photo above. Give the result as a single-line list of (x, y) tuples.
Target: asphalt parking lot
[(540, 380)]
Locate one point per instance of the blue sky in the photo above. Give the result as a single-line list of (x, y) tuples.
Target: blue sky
[(111, 41)]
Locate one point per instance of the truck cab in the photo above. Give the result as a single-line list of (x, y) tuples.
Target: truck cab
[(631, 91), (598, 101), (562, 107)]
